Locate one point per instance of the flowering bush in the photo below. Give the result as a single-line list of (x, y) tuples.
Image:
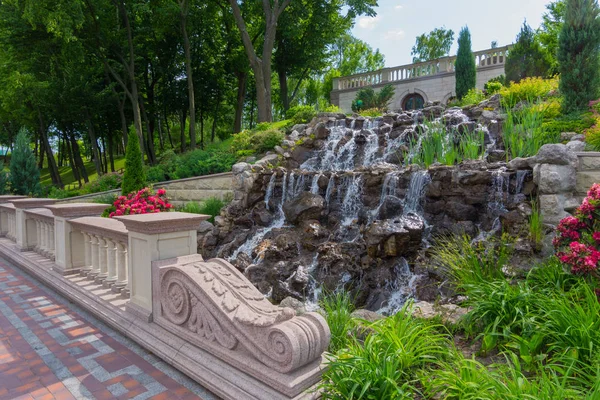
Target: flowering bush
[(142, 202), (578, 237)]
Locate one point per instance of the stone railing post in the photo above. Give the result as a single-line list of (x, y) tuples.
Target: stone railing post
[(26, 236), (72, 251), (4, 214), (155, 237)]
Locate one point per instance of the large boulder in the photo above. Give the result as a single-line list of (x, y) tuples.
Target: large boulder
[(557, 154), (305, 206), (394, 237)]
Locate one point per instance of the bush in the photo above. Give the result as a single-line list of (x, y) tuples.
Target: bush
[(568, 123), (4, 180), (528, 89), (372, 112), (592, 135), (526, 58), (337, 307), (578, 54), (156, 174), (104, 183), (142, 202), (108, 198), (494, 85), (300, 114), (257, 142), (24, 173), (523, 135), (465, 68), (211, 206), (367, 98), (473, 96), (203, 162), (332, 109), (134, 178)]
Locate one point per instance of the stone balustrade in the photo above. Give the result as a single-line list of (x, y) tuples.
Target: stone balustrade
[(203, 316), (484, 58)]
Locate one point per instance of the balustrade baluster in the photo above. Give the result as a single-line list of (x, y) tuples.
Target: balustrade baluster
[(95, 270), (111, 260), (102, 260), (38, 236), (122, 272)]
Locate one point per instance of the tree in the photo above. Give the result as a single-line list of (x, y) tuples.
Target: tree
[(24, 173), (526, 58), (578, 51), (134, 178), (367, 98), (547, 34), (466, 73), (435, 44)]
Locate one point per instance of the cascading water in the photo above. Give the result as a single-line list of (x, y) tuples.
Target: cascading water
[(413, 202), (402, 288), (351, 204)]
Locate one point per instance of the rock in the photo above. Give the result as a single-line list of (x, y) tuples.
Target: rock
[(557, 154), (299, 127), (240, 167), (461, 211), (432, 112), (521, 163), (488, 117), (496, 156), (331, 115), (580, 137), (294, 304), (466, 127), (553, 178), (321, 132), (394, 237), (567, 136), (448, 312), (271, 159), (391, 207), (576, 146), (366, 315), (305, 206), (279, 150), (205, 227)]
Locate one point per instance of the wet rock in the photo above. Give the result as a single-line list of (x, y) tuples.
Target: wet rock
[(294, 304), (466, 127), (391, 207), (283, 247), (305, 206), (261, 216), (521, 163), (496, 156), (394, 237), (432, 112), (557, 154), (366, 315), (448, 312), (321, 132)]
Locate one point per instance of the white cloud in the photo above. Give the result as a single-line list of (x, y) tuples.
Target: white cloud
[(368, 22), (399, 7), (394, 35)]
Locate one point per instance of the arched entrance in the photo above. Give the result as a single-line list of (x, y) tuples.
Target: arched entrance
[(413, 101)]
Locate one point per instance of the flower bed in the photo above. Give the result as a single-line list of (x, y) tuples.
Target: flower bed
[(143, 202)]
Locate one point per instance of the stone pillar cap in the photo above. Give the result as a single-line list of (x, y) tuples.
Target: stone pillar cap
[(163, 222), (74, 210), (5, 198), (32, 203)]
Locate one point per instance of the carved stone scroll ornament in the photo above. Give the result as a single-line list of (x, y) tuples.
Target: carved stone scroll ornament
[(222, 311)]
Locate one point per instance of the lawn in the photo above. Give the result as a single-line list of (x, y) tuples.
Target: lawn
[(66, 173)]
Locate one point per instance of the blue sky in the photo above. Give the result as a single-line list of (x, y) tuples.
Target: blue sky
[(399, 22)]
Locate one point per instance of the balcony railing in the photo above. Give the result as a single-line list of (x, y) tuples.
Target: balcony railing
[(484, 58)]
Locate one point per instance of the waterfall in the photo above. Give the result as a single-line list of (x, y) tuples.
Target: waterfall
[(314, 186), (329, 191), (390, 184), (499, 192), (521, 175), (314, 288), (299, 188), (416, 191), (270, 188), (402, 288), (371, 148), (352, 203)]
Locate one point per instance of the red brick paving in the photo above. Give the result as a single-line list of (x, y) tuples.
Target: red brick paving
[(24, 374)]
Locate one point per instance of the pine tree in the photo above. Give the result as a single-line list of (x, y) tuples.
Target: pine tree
[(466, 73), (134, 178), (578, 45), (526, 58), (24, 173)]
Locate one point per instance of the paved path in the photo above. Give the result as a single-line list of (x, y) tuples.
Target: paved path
[(52, 349)]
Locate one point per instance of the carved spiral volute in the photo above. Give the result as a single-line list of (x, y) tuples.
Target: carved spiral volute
[(176, 305)]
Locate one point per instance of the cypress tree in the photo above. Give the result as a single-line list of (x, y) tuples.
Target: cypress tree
[(134, 178), (578, 44), (24, 173), (526, 58), (466, 73)]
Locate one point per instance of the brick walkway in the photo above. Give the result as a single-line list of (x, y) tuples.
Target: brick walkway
[(51, 349)]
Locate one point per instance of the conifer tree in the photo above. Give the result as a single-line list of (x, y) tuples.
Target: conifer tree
[(466, 73), (134, 178), (24, 173), (578, 44), (526, 58)]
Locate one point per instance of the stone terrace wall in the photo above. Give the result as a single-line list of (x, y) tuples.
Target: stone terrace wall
[(182, 190)]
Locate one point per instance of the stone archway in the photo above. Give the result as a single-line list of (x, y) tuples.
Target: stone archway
[(413, 101)]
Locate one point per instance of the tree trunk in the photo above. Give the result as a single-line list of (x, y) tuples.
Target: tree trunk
[(241, 97), (183, 119), (124, 129), (201, 128), (150, 141), (161, 139), (77, 157), (168, 129), (54, 174), (110, 140), (184, 9), (283, 89), (94, 143), (105, 164), (74, 168)]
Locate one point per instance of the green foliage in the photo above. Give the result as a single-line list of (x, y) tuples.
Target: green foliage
[(526, 58), (494, 85), (332, 109), (592, 135), (211, 206), (105, 199), (367, 98), (203, 162), (372, 112), (24, 173), (465, 64), (134, 178), (473, 96), (528, 89), (435, 44), (579, 54), (256, 141), (4, 180), (547, 34), (577, 122), (104, 183), (522, 133), (536, 223), (386, 364), (337, 307), (300, 114)]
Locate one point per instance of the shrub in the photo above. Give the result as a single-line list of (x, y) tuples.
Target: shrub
[(592, 135), (4, 180), (466, 73), (155, 174), (108, 198), (372, 112), (491, 85), (568, 123), (142, 202), (203, 162), (526, 58), (473, 96), (522, 133), (337, 308), (577, 242), (332, 109), (104, 183), (300, 114), (211, 206), (256, 142), (528, 89), (367, 98), (134, 178), (24, 173), (578, 54), (386, 364)]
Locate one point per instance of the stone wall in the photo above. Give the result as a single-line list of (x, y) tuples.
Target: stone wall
[(182, 191)]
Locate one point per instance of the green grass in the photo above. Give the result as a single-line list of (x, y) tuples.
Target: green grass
[(66, 173)]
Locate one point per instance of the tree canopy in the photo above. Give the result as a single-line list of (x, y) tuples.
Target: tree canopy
[(432, 45)]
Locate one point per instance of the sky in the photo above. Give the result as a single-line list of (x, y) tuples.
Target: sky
[(398, 22)]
